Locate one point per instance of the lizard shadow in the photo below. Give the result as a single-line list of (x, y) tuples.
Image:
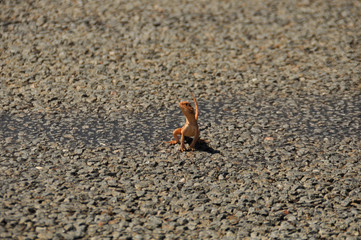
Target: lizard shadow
[(202, 145)]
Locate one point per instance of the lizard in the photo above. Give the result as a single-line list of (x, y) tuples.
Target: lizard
[(190, 128)]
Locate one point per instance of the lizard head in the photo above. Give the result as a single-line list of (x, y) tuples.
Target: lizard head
[(186, 108)]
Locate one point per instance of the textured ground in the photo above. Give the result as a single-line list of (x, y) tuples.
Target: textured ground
[(89, 92)]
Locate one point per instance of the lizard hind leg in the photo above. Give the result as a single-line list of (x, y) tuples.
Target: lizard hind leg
[(176, 132)]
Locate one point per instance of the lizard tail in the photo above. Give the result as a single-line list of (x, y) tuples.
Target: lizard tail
[(196, 105)]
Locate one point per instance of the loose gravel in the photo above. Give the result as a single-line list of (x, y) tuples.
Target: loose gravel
[(89, 93)]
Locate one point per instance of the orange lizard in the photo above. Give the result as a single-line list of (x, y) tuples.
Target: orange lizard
[(190, 128)]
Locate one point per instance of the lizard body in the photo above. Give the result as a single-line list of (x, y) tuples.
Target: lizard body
[(190, 128)]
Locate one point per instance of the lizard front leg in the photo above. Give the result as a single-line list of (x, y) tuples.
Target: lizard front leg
[(195, 139), (182, 146), (176, 132)]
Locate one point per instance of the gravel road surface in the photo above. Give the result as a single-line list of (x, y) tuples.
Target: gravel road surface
[(89, 93)]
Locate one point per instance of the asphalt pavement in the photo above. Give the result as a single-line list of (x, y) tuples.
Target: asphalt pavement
[(89, 94)]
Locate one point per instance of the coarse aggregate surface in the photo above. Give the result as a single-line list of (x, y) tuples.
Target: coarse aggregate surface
[(89, 94)]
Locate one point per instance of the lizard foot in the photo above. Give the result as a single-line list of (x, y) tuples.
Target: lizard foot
[(182, 148)]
